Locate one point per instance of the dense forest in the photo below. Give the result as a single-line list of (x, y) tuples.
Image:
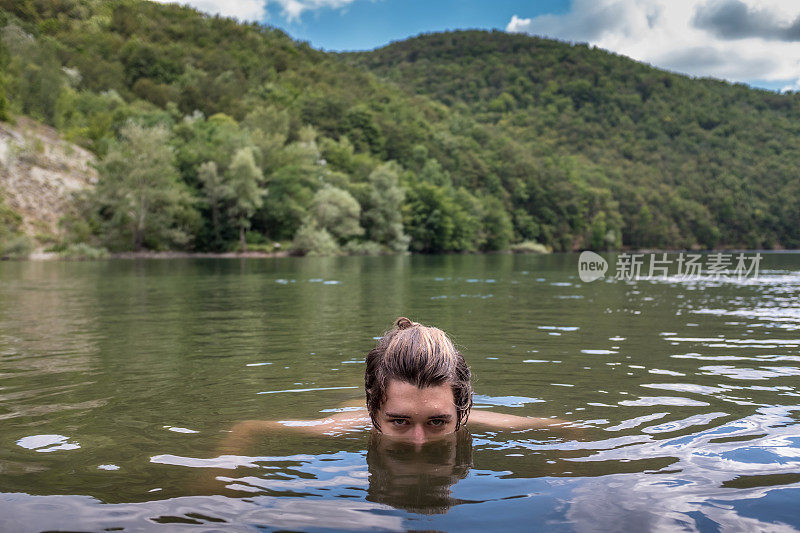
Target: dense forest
[(688, 161), (213, 135)]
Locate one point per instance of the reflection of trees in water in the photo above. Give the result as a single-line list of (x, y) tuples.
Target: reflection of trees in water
[(46, 321), (47, 340), (417, 479)]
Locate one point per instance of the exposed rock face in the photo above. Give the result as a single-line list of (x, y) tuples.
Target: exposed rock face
[(39, 172)]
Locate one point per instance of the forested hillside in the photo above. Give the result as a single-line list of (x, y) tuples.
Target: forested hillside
[(215, 135), (689, 161)]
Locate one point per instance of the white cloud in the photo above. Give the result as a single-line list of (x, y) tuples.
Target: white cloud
[(737, 40), (244, 10), (292, 9), (255, 10)]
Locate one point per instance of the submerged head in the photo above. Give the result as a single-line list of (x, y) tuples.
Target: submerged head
[(417, 384)]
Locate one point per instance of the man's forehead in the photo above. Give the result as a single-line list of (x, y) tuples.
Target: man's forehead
[(405, 396)]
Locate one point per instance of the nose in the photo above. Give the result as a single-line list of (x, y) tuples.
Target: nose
[(418, 436)]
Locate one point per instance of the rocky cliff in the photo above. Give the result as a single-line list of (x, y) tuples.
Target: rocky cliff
[(39, 172)]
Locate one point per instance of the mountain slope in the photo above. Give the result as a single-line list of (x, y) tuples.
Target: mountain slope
[(682, 156), (491, 138), (88, 66)]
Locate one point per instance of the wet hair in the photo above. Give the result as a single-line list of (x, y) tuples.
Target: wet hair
[(422, 356)]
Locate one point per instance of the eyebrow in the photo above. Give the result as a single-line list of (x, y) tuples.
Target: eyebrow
[(434, 417)]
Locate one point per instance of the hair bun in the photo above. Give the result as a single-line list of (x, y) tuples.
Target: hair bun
[(403, 323)]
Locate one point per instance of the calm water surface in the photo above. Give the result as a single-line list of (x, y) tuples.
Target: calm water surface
[(119, 381)]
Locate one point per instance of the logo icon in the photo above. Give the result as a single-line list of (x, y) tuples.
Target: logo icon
[(591, 266)]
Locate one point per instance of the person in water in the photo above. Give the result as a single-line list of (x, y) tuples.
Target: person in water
[(418, 389)]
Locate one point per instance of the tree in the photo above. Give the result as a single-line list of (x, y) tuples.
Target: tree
[(36, 73), (3, 100), (269, 129), (497, 226), (468, 211), (336, 211), (428, 214), (298, 173), (140, 196), (216, 192), (432, 173), (198, 140), (313, 240), (384, 217), (244, 179)]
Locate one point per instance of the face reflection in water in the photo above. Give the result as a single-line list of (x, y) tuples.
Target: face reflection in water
[(417, 477)]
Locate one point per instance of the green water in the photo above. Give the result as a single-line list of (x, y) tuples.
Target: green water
[(119, 381)]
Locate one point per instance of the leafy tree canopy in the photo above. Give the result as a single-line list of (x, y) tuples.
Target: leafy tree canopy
[(455, 141)]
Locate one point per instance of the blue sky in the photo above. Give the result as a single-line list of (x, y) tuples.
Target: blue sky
[(367, 24), (751, 41)]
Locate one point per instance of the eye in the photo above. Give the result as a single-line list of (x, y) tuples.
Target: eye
[(437, 422), (398, 421)]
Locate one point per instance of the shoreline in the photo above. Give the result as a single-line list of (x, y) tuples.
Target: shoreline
[(195, 255), (40, 255), (55, 256)]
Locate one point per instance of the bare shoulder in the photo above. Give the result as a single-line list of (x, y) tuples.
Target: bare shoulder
[(503, 421), (349, 418), (344, 420), (241, 435)]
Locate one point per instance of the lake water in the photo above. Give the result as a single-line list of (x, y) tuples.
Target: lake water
[(119, 381)]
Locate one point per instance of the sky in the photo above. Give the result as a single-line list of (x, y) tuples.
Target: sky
[(751, 41)]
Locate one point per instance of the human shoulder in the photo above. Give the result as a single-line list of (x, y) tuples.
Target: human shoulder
[(500, 420)]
